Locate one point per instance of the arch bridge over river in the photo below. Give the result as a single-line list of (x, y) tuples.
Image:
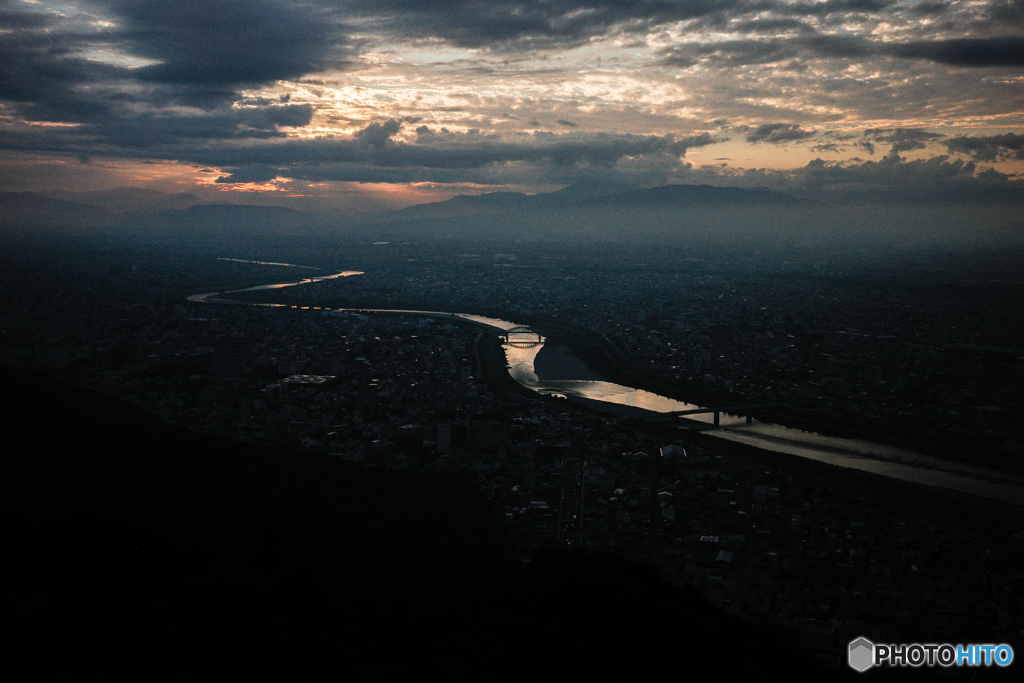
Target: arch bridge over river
[(522, 337)]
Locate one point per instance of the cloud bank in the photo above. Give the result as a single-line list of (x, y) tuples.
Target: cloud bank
[(520, 91)]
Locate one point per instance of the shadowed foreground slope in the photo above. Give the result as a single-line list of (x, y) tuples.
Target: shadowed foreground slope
[(134, 549)]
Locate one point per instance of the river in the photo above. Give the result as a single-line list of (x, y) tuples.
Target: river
[(899, 463), (220, 297)]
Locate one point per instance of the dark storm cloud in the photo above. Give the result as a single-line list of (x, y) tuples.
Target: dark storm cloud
[(567, 123), (963, 52), (371, 154), (13, 19), (929, 8), (989, 148), (160, 129), (204, 52), (224, 43), (975, 52), (543, 23), (778, 133), (40, 70), (1006, 13), (379, 134), (159, 133)]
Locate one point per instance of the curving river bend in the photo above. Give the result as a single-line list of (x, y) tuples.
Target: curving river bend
[(857, 454)]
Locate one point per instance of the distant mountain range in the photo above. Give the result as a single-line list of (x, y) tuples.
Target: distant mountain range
[(127, 199), (608, 212), (130, 207), (134, 208), (30, 210), (602, 211), (604, 196)]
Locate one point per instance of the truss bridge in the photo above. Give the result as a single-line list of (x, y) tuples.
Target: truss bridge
[(522, 337)]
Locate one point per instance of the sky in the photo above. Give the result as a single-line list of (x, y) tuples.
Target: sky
[(360, 104)]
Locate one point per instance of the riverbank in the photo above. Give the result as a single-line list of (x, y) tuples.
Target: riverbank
[(554, 363)]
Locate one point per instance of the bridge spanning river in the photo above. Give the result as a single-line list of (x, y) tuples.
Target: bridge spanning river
[(746, 411), (521, 337)]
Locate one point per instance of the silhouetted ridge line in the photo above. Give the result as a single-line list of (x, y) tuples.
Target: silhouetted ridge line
[(604, 196)]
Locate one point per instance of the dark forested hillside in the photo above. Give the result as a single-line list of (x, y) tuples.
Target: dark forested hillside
[(137, 550)]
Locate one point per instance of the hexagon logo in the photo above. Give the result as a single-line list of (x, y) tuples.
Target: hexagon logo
[(861, 654)]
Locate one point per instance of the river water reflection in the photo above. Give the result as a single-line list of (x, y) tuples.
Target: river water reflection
[(222, 297), (851, 453)]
